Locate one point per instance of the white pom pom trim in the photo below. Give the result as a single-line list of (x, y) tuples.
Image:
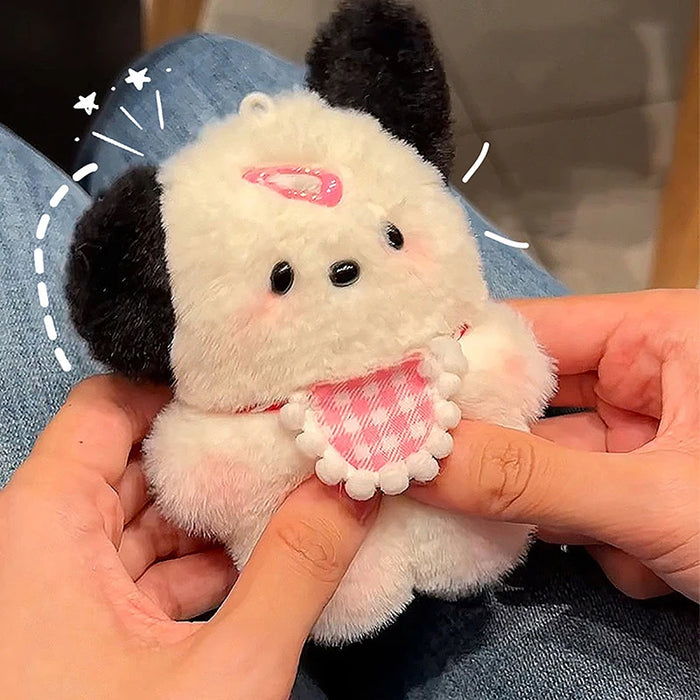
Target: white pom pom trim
[(448, 352), (293, 416), (448, 384), (439, 443), (443, 367), (422, 466), (361, 484), (331, 469), (429, 368), (447, 414), (393, 478), (312, 442)]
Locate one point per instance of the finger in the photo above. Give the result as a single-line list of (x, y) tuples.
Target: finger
[(150, 538), (191, 585), (509, 475), (575, 329), (629, 339), (553, 536), (294, 570), (95, 429), (132, 490), (579, 431), (626, 430), (627, 574), (608, 429), (576, 391)]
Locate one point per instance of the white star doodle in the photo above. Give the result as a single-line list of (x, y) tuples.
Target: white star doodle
[(137, 78), (87, 103)]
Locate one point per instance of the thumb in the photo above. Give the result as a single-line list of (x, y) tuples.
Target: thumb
[(514, 476), (293, 571)]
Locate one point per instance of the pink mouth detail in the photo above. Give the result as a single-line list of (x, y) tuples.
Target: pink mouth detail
[(379, 418), (326, 191)]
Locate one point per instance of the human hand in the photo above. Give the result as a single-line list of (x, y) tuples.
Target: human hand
[(623, 479), (93, 581)]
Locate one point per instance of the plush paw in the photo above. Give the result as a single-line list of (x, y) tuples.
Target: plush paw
[(510, 378)]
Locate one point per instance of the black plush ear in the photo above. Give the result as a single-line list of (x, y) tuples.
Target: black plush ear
[(378, 56), (117, 280)]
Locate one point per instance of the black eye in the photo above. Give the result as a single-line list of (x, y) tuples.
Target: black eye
[(393, 236), (281, 277)]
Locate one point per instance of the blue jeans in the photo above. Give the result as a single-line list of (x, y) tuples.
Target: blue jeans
[(555, 629)]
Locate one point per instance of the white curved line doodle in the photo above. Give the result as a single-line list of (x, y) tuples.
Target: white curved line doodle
[(506, 241), (479, 160)]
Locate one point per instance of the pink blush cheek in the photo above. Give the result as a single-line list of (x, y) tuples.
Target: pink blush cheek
[(514, 368), (262, 310), (418, 252)]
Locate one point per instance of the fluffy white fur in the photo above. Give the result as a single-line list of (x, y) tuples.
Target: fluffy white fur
[(236, 343), (223, 473)]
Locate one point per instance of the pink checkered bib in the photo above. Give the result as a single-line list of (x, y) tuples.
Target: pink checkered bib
[(384, 428)]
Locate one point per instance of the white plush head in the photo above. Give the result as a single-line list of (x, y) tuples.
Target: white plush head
[(239, 342)]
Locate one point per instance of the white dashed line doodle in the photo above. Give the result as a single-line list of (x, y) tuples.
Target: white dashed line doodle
[(62, 359), (138, 79), (39, 261), (58, 196), (50, 327), (42, 226), (39, 269), (78, 175), (43, 294)]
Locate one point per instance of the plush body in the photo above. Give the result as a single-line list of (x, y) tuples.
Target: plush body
[(224, 475), (302, 243)]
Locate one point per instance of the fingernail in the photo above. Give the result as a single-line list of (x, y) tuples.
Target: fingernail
[(362, 511)]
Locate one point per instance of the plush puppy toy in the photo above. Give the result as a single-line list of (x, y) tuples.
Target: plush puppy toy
[(304, 278)]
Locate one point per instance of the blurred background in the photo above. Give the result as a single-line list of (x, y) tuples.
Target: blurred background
[(590, 109)]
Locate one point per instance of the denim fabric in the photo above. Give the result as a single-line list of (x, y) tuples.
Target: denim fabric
[(555, 629), (32, 385)]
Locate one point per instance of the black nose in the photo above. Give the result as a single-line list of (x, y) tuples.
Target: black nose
[(344, 273)]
